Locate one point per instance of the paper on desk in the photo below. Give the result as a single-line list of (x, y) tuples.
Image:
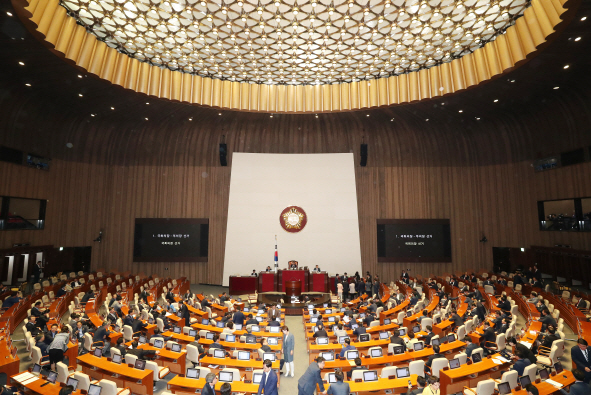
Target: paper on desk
[(23, 376), (554, 383), (526, 344), (503, 359), (168, 314), (533, 333), (213, 366), (352, 363), (30, 380), (497, 362)]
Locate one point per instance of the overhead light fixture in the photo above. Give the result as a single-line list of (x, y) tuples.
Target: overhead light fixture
[(220, 113), (21, 63), (148, 104), (368, 115), (146, 118), (80, 94), (556, 87), (496, 100), (578, 39), (190, 119), (512, 80), (566, 66), (427, 120), (28, 84), (92, 115), (477, 118), (461, 111), (584, 18), (79, 76), (112, 108), (8, 13)]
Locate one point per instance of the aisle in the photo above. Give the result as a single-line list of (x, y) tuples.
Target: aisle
[(289, 385)]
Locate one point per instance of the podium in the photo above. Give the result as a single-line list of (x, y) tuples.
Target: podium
[(293, 275), (319, 282), (267, 282), (293, 288), (240, 285)]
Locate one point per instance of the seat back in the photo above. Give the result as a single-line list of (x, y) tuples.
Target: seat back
[(425, 322), (417, 367), (192, 353), (358, 374), (388, 371), (478, 351), (83, 381), (108, 387), (461, 332), (531, 371), (235, 373), (153, 366), (127, 333), (374, 323), (437, 365), (62, 372), (485, 387), (114, 351), (510, 377), (87, 342), (130, 358), (462, 357), (35, 355)]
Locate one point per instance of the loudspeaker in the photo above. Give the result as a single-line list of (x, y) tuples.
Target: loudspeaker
[(223, 154), (363, 151)]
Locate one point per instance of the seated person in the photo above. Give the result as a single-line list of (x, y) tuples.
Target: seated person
[(268, 269), (141, 353), (521, 363), (356, 367), (338, 388), (396, 339), (361, 329), (265, 345), (254, 273), (425, 315), (411, 340), (435, 355), (50, 335), (229, 328), (347, 347), (216, 343), (158, 335), (33, 326), (321, 332), (41, 313), (430, 334), (12, 300), (200, 348), (40, 342), (251, 320), (61, 292), (101, 333), (224, 298), (121, 346)]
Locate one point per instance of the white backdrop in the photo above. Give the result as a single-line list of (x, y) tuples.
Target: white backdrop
[(262, 185)]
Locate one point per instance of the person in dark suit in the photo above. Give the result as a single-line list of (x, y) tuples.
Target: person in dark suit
[(489, 334), (238, 317), (254, 273), (215, 343), (210, 382), (80, 330), (112, 316), (361, 329), (581, 356), (50, 335), (521, 363), (268, 383), (268, 269), (546, 319), (550, 338), (537, 274), (140, 353), (321, 332), (421, 382), (430, 334), (61, 292), (307, 383), (37, 268), (469, 346), (517, 279), (87, 296), (185, 313), (404, 275), (40, 342), (456, 319), (356, 367), (251, 320), (33, 326), (431, 358), (396, 339), (100, 334), (504, 304), (138, 326), (121, 346), (579, 387), (339, 388)]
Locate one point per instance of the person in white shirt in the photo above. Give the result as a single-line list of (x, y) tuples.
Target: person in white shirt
[(340, 290)]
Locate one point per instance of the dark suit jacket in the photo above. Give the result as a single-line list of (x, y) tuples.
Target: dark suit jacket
[(528, 353), (339, 388), (579, 359), (470, 348), (137, 326), (489, 335), (112, 317), (427, 338), (43, 347), (320, 333), (270, 385), (238, 318), (208, 390), (457, 320), (49, 336), (520, 365), (398, 340), (307, 383), (359, 331), (433, 357), (100, 334), (578, 388), (548, 340)]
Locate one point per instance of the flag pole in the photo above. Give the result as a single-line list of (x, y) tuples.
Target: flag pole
[(276, 259)]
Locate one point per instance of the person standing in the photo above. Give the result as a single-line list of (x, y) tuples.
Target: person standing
[(268, 383), (340, 290), (210, 381), (582, 358), (288, 347), (58, 347), (307, 383)]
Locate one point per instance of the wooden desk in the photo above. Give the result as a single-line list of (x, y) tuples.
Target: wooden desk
[(547, 389), (454, 380), (398, 386), (8, 364), (138, 381), (237, 333), (235, 363), (34, 387), (239, 345), (314, 348), (175, 361), (184, 386)]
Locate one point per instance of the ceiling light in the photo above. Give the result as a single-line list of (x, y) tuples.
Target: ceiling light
[(28, 84), (80, 94), (146, 118), (461, 111), (427, 120), (556, 87), (112, 108), (478, 119), (148, 103), (79, 76), (577, 39), (270, 116), (8, 13), (496, 100), (190, 119), (220, 113), (392, 120), (368, 115), (92, 115), (512, 80), (21, 63), (566, 66), (584, 18)]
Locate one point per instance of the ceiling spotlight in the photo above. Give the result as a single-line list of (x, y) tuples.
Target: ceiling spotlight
[(8, 13), (79, 76), (478, 119), (566, 67), (146, 118), (392, 120), (584, 18), (496, 100), (461, 111), (69, 145), (21, 63), (190, 119), (270, 116), (112, 108), (578, 38), (92, 115), (148, 104), (427, 120), (28, 84), (512, 80), (220, 113), (316, 115), (80, 94), (368, 115), (556, 87)]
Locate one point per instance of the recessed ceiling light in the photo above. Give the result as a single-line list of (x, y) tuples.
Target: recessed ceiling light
[(566, 66), (368, 115), (80, 94), (69, 145), (8, 13), (112, 108), (427, 120), (443, 104), (79, 76), (220, 113), (512, 80), (146, 118), (28, 84), (392, 120), (190, 119), (92, 115), (496, 100), (556, 87), (584, 18), (461, 111), (21, 63), (270, 116), (316, 115), (148, 104), (577, 39), (477, 118)]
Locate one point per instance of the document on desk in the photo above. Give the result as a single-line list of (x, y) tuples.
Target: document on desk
[(168, 314), (30, 380), (497, 362), (554, 383), (351, 362), (23, 376), (502, 359), (533, 333), (526, 344)]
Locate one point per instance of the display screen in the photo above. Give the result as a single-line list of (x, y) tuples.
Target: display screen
[(171, 240), (414, 240)]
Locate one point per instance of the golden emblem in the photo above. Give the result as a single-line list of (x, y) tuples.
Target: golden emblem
[(293, 219)]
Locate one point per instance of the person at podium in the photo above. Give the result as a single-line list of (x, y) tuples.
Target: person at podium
[(316, 269), (254, 273), (268, 269), (293, 265)]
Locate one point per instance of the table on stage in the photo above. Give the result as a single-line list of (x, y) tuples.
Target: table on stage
[(241, 285), (319, 282), (267, 282)]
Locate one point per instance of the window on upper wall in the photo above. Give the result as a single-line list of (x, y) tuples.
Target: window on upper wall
[(22, 213), (565, 215)]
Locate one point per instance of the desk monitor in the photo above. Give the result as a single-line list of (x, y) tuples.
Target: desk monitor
[(332, 378), (274, 329), (454, 363), (279, 306), (259, 318), (401, 331), (402, 372), (261, 311), (328, 356), (192, 332), (246, 309), (192, 373), (435, 342), (384, 335), (408, 313), (315, 329), (218, 353), (342, 339), (398, 350), (98, 352), (322, 340), (117, 358), (418, 346), (255, 328), (116, 328), (376, 352), (273, 341), (438, 320), (150, 321), (243, 355), (524, 381), (354, 326), (325, 305), (331, 319), (416, 328), (371, 375), (159, 343), (73, 382), (204, 321), (94, 389), (252, 340), (504, 388), (220, 324), (209, 335), (238, 327), (269, 355), (558, 367), (176, 347), (352, 354), (310, 307), (364, 337), (314, 320), (140, 364), (362, 315), (51, 377), (257, 377), (451, 338), (177, 330), (230, 338), (142, 340), (387, 321), (544, 375), (343, 309), (36, 368), (328, 311), (226, 377), (476, 357)]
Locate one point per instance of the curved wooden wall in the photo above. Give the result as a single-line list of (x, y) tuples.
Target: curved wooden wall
[(83, 49)]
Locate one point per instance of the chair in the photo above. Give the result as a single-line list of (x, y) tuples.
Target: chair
[(510, 377), (37, 358), (374, 323), (462, 357), (551, 359), (357, 374), (130, 359), (437, 365), (500, 344), (83, 381), (88, 342), (110, 388), (127, 333), (373, 348), (400, 317), (531, 371), (388, 371), (62, 372), (469, 325), (461, 332), (485, 387), (478, 351), (159, 371), (489, 289), (235, 373), (204, 371), (114, 351)]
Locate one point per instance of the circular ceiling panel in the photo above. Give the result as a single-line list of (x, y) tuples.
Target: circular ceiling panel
[(296, 41)]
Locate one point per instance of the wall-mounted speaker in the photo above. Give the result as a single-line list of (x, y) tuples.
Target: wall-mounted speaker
[(223, 155), (363, 151)]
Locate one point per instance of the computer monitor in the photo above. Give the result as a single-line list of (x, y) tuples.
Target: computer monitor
[(343, 309), (150, 321), (205, 321), (261, 311), (218, 353), (331, 319), (398, 350), (416, 328), (370, 375), (116, 328), (354, 326), (226, 377), (230, 338), (321, 340), (273, 341), (325, 305), (94, 389), (314, 320), (544, 375), (524, 381), (328, 356), (408, 313), (401, 331), (342, 339), (140, 364), (352, 354), (192, 332), (255, 328), (402, 372), (476, 357), (384, 335), (159, 343), (274, 329), (418, 346), (259, 319), (243, 355), (192, 373), (454, 363), (219, 324), (117, 358), (435, 342), (558, 367), (246, 309), (175, 347), (142, 340), (98, 352), (177, 330), (332, 378), (451, 338), (387, 321), (364, 337), (328, 311), (376, 352), (438, 320), (73, 382), (209, 335), (310, 307), (269, 355), (257, 377), (238, 327), (251, 340), (504, 388), (36, 368), (362, 315), (51, 377)]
